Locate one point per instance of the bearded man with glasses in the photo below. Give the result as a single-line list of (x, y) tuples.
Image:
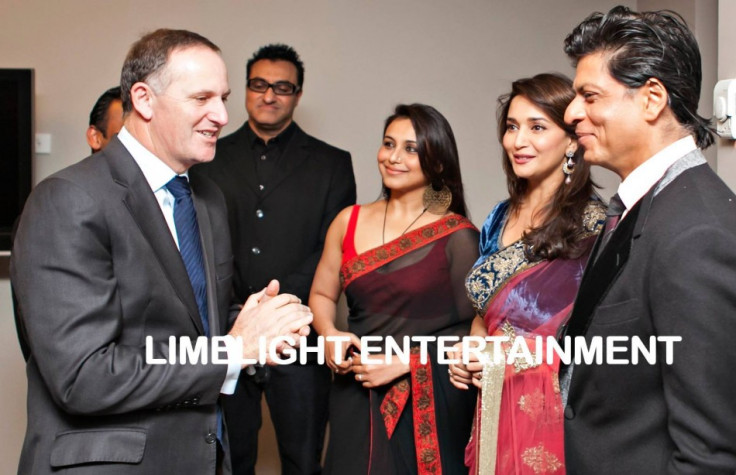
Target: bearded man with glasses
[(283, 188)]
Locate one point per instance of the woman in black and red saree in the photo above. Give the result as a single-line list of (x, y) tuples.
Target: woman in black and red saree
[(401, 262)]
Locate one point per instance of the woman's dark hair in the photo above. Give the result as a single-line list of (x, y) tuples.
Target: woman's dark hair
[(437, 150), (641, 46), (559, 233)]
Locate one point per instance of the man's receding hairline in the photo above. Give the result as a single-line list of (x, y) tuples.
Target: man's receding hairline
[(162, 77)]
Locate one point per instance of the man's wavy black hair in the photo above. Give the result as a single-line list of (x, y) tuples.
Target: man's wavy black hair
[(644, 45)]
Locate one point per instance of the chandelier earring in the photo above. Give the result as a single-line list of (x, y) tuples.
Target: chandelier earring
[(568, 166), (437, 199)]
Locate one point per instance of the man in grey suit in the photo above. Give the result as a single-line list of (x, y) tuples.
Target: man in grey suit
[(664, 267), (118, 253)]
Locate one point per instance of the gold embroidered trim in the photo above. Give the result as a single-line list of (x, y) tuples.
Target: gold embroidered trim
[(536, 406), (372, 259), (485, 280), (532, 404), (490, 400), (556, 382), (594, 217), (520, 364), (488, 278), (540, 460)]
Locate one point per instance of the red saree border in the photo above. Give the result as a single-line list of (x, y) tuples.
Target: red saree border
[(371, 260), (425, 426), (421, 390)]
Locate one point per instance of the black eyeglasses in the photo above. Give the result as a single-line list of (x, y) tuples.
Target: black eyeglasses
[(280, 88)]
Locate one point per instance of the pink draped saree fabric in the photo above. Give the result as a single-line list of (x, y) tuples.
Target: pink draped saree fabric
[(519, 416)]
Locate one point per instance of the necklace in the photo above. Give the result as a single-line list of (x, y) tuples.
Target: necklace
[(385, 212)]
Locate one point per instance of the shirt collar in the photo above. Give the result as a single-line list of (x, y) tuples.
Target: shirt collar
[(157, 173), (283, 137), (639, 181)]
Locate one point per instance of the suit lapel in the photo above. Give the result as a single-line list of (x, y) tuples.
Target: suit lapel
[(292, 157), (146, 212), (602, 272), (205, 231), (600, 275)]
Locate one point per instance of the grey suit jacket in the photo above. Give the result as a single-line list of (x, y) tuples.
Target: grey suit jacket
[(96, 271), (668, 270)]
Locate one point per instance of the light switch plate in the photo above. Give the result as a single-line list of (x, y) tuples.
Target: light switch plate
[(43, 144), (724, 107)]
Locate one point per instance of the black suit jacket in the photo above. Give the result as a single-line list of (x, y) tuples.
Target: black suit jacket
[(669, 270), (96, 271), (279, 233)]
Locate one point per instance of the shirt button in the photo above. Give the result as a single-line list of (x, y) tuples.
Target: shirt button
[(255, 251), (569, 413), (261, 187), (263, 157), (259, 213), (210, 438)]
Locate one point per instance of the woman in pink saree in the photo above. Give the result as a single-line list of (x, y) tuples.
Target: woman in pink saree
[(534, 247), (401, 262)]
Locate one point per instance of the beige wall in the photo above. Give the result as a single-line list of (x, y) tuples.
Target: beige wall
[(727, 70), (702, 16), (710, 19), (361, 59)]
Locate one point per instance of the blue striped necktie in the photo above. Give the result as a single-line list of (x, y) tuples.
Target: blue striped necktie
[(187, 230)]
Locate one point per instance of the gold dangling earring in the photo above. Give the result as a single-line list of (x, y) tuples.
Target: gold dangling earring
[(568, 166), (437, 201)]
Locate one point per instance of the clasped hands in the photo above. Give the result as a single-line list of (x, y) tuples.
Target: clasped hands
[(370, 375), (268, 315), (462, 375)]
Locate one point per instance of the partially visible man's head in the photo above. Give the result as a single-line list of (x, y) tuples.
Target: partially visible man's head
[(174, 87), (638, 47), (273, 88), (105, 120)]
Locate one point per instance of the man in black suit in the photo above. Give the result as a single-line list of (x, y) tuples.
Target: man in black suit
[(283, 188), (107, 271), (667, 268)]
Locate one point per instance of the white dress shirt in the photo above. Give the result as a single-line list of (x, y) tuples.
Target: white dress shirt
[(157, 174), (644, 177)]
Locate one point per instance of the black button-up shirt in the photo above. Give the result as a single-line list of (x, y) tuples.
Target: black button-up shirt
[(267, 155)]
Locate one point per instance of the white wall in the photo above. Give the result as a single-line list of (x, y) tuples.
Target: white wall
[(13, 377), (702, 17), (726, 70)]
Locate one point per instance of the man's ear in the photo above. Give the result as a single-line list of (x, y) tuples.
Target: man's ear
[(142, 97), (656, 99), (94, 138)]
